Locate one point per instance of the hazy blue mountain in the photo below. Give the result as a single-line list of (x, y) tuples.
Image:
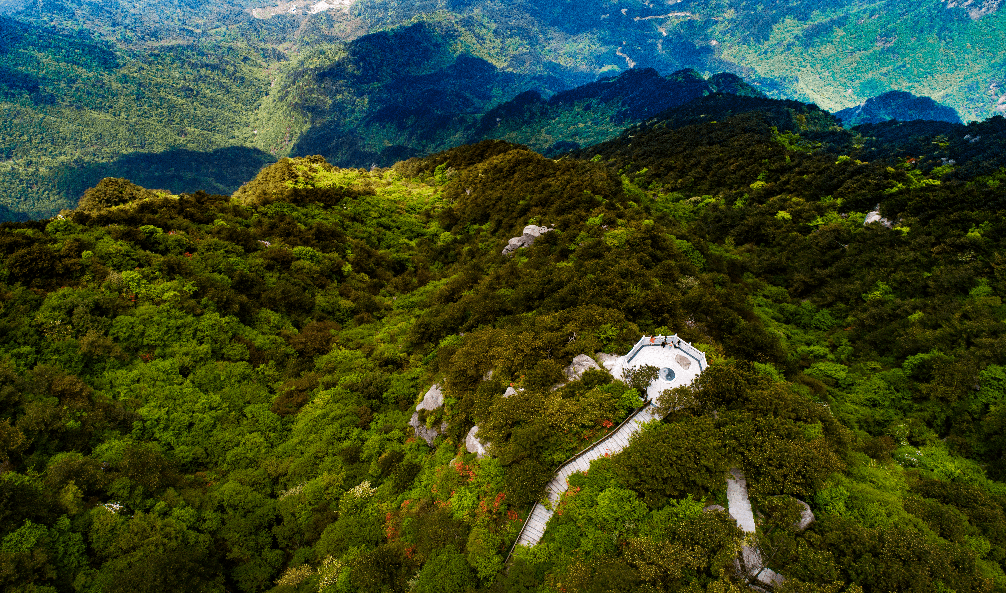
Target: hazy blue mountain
[(897, 105), (835, 54)]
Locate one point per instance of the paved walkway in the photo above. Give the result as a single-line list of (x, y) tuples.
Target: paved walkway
[(684, 367), (740, 509)]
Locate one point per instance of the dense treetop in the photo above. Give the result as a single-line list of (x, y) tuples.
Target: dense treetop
[(212, 393)]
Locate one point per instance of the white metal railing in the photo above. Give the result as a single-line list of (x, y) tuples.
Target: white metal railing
[(692, 352)]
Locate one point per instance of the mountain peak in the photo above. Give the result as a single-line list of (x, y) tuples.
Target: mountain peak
[(899, 105)]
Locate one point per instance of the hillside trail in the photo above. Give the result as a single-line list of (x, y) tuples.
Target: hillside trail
[(679, 363)]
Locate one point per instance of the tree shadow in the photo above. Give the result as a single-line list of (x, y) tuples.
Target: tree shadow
[(221, 171)]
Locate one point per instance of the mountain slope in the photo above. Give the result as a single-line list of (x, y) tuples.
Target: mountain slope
[(70, 100), (251, 74), (396, 95), (232, 378)]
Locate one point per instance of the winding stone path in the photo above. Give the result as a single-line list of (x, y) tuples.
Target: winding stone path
[(646, 351)]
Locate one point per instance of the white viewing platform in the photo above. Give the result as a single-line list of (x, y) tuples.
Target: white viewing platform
[(679, 363)]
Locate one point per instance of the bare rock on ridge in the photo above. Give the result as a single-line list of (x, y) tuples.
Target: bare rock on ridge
[(875, 216), (581, 363), (433, 399), (530, 233), (806, 516), (610, 361), (473, 444)]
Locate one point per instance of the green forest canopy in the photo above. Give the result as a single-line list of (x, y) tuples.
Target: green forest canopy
[(211, 393)]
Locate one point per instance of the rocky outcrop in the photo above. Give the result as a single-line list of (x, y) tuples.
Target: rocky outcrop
[(609, 361), (683, 360), (473, 444), (530, 233), (581, 363), (433, 400), (976, 8), (427, 434), (876, 217), (806, 516)]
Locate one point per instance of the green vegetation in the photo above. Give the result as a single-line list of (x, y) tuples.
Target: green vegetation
[(186, 96), (75, 110), (599, 111), (840, 55), (212, 393)]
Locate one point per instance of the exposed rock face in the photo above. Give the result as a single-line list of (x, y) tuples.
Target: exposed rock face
[(509, 391), (427, 434), (531, 232), (433, 399), (739, 507), (608, 360), (473, 444), (876, 217), (806, 516), (976, 8), (581, 363), (684, 361)]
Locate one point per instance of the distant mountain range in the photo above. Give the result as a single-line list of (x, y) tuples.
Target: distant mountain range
[(834, 54), (397, 95), (600, 110), (85, 87)]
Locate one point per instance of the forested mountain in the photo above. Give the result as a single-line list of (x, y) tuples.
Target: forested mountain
[(213, 393), (72, 106), (80, 109), (897, 105), (598, 111), (93, 88)]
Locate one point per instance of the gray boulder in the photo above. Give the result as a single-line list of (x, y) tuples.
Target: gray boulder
[(581, 363), (876, 217), (427, 434), (433, 399), (806, 516), (610, 361), (527, 238), (473, 444)]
